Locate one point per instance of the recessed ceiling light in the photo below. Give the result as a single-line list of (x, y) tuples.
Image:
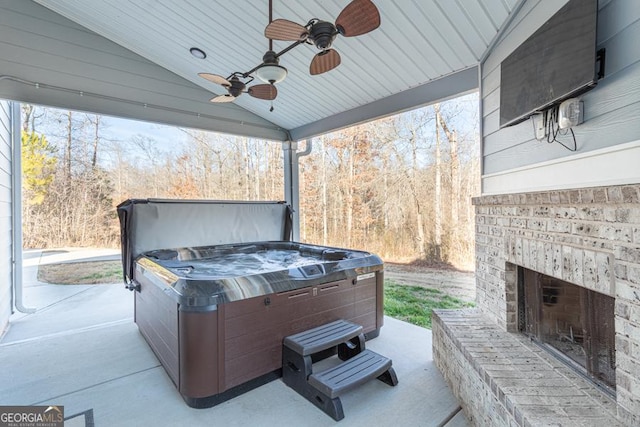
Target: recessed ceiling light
[(198, 53)]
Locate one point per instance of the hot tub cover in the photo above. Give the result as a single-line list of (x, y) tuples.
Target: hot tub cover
[(150, 224)]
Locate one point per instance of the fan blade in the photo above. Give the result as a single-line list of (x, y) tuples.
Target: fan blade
[(214, 78), (265, 91), (283, 29), (324, 61), (359, 17), (223, 98)]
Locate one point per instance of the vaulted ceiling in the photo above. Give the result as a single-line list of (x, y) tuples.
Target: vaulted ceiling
[(423, 51)]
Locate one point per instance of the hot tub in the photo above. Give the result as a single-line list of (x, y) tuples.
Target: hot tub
[(215, 313)]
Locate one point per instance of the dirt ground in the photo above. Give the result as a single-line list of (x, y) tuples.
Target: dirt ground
[(460, 284)]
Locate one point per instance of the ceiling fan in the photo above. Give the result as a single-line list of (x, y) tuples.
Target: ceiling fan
[(357, 18), (235, 87)]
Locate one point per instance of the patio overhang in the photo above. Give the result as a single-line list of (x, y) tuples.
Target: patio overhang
[(131, 60)]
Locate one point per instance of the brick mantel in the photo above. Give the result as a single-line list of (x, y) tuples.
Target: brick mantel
[(595, 195)]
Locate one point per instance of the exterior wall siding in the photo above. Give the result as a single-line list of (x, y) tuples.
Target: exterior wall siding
[(611, 109), (6, 273)]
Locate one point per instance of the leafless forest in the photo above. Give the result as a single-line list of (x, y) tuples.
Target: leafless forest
[(400, 186)]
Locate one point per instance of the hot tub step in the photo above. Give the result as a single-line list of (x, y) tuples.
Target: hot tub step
[(323, 389), (352, 373), (323, 337)]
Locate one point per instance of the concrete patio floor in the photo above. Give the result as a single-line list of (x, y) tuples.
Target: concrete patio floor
[(81, 349)]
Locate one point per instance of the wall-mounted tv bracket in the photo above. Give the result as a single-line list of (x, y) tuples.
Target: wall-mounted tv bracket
[(600, 60)]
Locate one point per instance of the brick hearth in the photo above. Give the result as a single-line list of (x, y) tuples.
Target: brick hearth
[(502, 379)]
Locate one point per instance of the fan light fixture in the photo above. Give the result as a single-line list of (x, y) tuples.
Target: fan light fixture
[(269, 71)]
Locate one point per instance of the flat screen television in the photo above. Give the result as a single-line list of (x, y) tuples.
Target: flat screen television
[(556, 63)]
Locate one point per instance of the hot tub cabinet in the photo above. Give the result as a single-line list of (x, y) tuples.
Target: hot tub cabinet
[(216, 314)]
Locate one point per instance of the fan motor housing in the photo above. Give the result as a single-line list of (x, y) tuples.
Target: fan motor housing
[(236, 87), (322, 33)]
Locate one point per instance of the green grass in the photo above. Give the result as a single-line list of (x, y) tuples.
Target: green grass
[(81, 273), (111, 272), (414, 304)]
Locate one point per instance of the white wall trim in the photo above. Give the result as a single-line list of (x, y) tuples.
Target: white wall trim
[(615, 165)]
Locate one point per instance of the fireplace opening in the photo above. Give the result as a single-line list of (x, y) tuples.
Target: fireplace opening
[(573, 323)]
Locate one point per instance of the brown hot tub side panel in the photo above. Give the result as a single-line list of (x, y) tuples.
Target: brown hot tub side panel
[(366, 303), (207, 353), (157, 319), (186, 343), (256, 327), (379, 300), (199, 353)]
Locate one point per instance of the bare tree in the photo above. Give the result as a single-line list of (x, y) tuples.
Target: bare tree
[(29, 117), (437, 241), (67, 158), (394, 186), (96, 138), (452, 137)]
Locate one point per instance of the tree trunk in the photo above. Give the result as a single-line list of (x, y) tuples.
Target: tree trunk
[(385, 190), (437, 252), (350, 189), (27, 111), (256, 170), (420, 236), (247, 187), (452, 137), (325, 220), (68, 147), (96, 139), (455, 180)]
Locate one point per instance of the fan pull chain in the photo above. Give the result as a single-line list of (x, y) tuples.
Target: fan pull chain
[(272, 87)]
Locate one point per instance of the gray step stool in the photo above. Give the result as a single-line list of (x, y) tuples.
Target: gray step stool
[(324, 389)]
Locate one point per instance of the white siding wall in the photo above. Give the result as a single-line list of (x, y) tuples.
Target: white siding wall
[(513, 161), (5, 215)]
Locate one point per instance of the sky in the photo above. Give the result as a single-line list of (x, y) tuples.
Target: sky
[(117, 131), (124, 129)]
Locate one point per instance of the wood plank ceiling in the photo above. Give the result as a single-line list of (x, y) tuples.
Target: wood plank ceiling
[(418, 42)]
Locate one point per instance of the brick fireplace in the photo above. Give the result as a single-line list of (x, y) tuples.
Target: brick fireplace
[(587, 237)]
